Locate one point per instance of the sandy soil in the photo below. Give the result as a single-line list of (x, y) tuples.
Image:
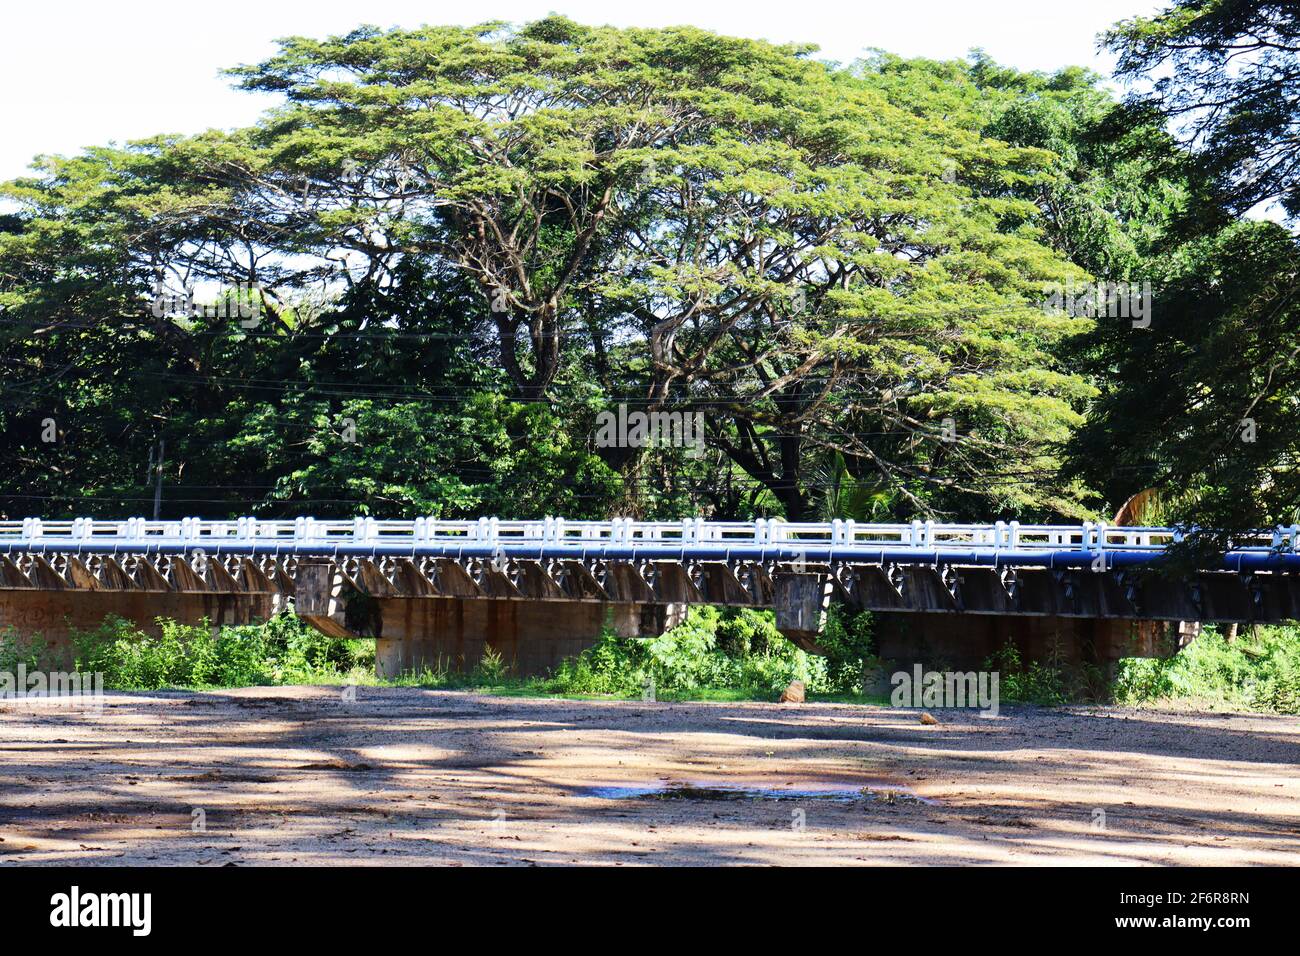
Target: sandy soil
[(300, 775)]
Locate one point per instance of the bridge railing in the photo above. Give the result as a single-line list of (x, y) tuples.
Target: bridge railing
[(196, 533)]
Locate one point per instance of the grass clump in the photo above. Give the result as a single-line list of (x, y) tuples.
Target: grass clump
[(1048, 683)]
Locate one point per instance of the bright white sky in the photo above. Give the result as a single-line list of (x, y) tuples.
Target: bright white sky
[(83, 72)]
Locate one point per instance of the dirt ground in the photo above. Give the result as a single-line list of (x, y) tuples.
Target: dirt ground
[(300, 775)]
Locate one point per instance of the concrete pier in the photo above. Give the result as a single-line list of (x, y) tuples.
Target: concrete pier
[(54, 616), (531, 638), (951, 642), (437, 632)]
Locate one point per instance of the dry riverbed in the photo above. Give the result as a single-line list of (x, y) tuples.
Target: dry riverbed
[(299, 775)]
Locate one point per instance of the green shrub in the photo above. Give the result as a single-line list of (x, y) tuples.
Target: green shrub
[(1258, 671), (731, 648), (849, 642), (16, 649), (283, 650), (491, 669), (614, 665), (131, 659), (1043, 683)]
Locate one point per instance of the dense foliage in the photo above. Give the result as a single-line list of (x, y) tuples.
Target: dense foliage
[(467, 242), (1259, 671), (728, 654), (733, 650), (448, 250), (1226, 71)]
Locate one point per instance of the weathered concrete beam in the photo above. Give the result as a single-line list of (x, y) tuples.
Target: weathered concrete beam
[(872, 588), (148, 577), (373, 581), (986, 589), (925, 589), (759, 584), (580, 584), (495, 583), (537, 584), (114, 577), (720, 585), (11, 576), (801, 601), (183, 577), (453, 581), (320, 585), (624, 582), (672, 585), (281, 579), (410, 581), (79, 575), (45, 577), (217, 578), (253, 579)]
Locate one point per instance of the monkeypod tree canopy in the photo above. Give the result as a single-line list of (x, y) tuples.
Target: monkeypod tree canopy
[(494, 233), (765, 239)]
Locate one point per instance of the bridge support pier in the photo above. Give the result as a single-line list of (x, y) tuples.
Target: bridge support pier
[(944, 641), (54, 616), (442, 632), (532, 637)]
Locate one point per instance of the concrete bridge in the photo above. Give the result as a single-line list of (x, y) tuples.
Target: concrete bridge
[(433, 591)]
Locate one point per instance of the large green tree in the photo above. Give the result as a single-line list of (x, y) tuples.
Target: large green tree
[(1227, 73), (792, 254), (1196, 403), (468, 241), (1203, 403), (371, 396)]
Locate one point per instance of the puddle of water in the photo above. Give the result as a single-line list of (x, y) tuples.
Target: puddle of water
[(724, 791)]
